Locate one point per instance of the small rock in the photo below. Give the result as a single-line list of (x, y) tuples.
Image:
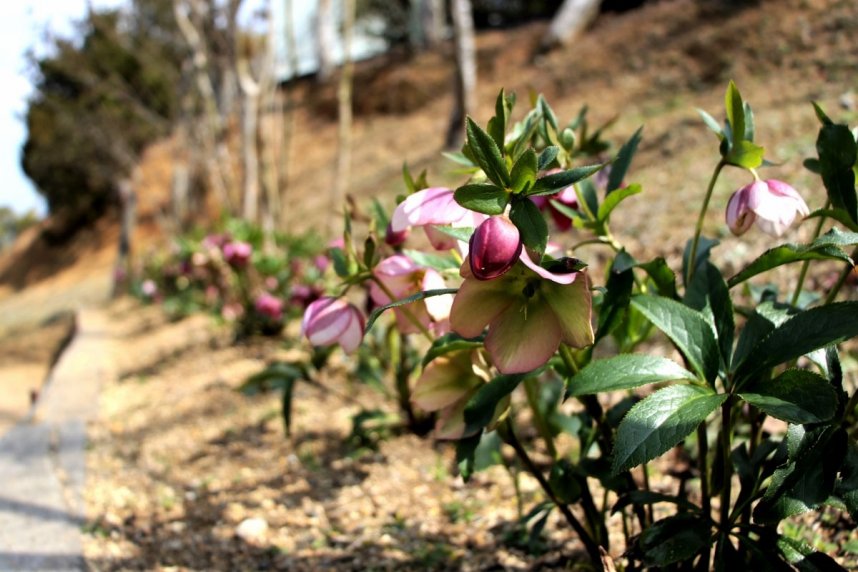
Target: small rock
[(251, 529), (847, 100)]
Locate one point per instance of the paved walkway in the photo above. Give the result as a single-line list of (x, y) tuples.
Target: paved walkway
[(43, 461)]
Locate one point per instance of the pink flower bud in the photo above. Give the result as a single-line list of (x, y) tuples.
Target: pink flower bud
[(773, 204), (394, 238), (494, 248), (149, 288), (269, 306), (237, 253), (330, 321), (321, 262)]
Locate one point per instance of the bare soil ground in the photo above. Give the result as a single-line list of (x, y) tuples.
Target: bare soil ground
[(180, 459)]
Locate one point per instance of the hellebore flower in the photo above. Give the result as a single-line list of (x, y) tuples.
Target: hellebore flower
[(773, 204), (494, 248), (330, 321), (237, 253), (269, 306), (447, 384), (529, 311), (149, 288), (403, 277), (433, 206)]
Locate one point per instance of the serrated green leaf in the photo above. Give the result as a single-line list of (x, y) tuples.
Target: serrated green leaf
[(621, 164), (712, 123), (839, 215), (548, 155), (550, 184), (614, 198), (674, 539), (487, 154), (795, 396), (432, 260), (799, 335), (805, 558), (663, 277), (656, 424), (750, 128), (687, 329), (820, 114), (465, 455), (482, 197), (824, 247), (625, 371), (526, 217), (524, 171), (838, 151), (459, 158), (615, 302), (462, 233), (709, 295), (704, 248), (480, 409)]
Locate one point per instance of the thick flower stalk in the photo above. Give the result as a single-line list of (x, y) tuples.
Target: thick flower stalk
[(398, 277), (494, 248), (772, 204), (528, 311), (432, 207), (329, 321)]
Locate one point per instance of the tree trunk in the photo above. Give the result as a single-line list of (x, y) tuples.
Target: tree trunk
[(128, 206), (344, 98), (326, 35), (569, 21), (286, 101), (466, 71)]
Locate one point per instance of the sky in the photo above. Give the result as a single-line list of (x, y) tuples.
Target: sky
[(22, 26)]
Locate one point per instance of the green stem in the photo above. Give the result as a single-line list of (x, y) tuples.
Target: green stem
[(531, 389), (841, 281), (692, 256), (589, 544), (806, 264), (408, 314), (726, 431)]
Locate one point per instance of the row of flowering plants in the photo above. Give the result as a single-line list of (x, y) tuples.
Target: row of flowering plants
[(235, 276), (473, 300)]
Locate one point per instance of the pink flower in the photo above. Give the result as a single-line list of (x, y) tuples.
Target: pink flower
[(149, 288), (303, 294), (430, 207), (269, 306), (773, 204), (494, 248), (528, 311), (403, 277), (237, 253), (330, 321)]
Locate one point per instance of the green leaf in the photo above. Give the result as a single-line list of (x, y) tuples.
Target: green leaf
[(526, 217), (838, 151), (801, 334), (656, 424), (823, 248), (615, 302), (674, 539), (847, 485), (462, 233), (625, 371), (839, 215), (550, 184), (820, 114), (796, 396), (735, 113), (547, 112), (808, 477), (548, 155), (745, 154), (487, 154), (404, 301), (465, 455), (564, 482), (614, 198), (688, 330), (806, 558), (481, 407), (432, 260), (524, 171), (662, 275), (766, 317), (638, 498), (458, 157), (449, 343), (709, 295), (621, 164), (750, 128), (482, 197), (712, 123), (704, 248)]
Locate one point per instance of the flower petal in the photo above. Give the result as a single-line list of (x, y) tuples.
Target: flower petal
[(739, 217), (523, 337), (477, 303), (572, 306), (437, 306), (567, 278), (444, 381), (434, 205)]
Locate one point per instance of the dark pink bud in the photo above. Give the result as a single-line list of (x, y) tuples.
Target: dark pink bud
[(237, 253), (494, 247), (393, 238), (269, 306)]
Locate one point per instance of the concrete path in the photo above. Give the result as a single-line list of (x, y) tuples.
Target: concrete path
[(43, 461)]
